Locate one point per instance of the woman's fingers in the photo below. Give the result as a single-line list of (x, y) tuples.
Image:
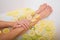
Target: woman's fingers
[(16, 26), (27, 23), (24, 23)]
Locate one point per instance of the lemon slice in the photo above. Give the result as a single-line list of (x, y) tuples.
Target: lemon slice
[(29, 17), (13, 13), (33, 20), (6, 30), (36, 16), (22, 17), (25, 36), (31, 33)]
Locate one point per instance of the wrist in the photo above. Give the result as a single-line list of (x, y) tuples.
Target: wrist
[(11, 24)]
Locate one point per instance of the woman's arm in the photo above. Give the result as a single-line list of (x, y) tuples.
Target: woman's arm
[(22, 26), (12, 34), (4, 24)]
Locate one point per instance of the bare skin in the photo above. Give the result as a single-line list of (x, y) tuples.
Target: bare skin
[(44, 11), (21, 26), (4, 24)]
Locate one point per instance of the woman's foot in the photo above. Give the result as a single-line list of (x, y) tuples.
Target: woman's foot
[(43, 11), (41, 8), (46, 12)]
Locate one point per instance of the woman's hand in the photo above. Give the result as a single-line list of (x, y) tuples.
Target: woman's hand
[(23, 23)]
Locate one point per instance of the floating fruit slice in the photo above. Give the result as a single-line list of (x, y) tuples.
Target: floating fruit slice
[(13, 13), (31, 33), (25, 36), (38, 32), (22, 17), (29, 38), (44, 30), (21, 14), (6, 30), (33, 20), (36, 16), (29, 11), (29, 17)]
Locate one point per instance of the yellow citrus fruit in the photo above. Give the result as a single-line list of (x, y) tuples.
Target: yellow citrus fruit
[(21, 14), (6, 30), (29, 17), (13, 13)]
